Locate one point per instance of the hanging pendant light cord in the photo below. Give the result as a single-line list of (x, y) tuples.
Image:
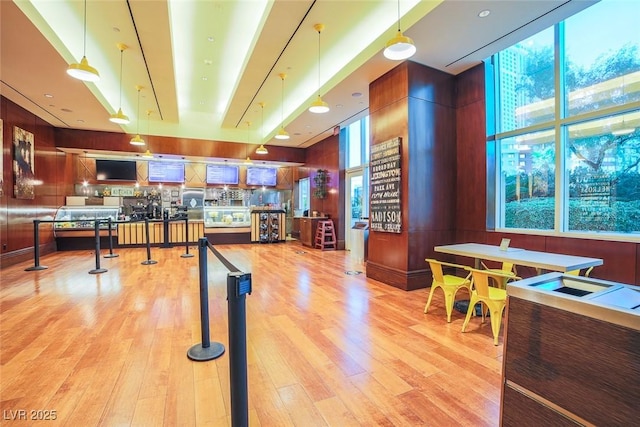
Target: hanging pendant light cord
[(282, 103), (318, 62), (138, 113), (121, 50), (399, 15), (84, 48)]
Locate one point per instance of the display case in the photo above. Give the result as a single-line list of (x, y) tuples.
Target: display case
[(227, 216), (81, 218), (268, 226)]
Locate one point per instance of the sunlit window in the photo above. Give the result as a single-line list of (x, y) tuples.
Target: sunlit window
[(568, 160)]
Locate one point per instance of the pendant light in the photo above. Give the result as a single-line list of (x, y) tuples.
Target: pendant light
[(400, 47), (282, 134), (262, 149), (85, 183), (319, 106), (137, 140), (83, 71), (248, 161), (119, 117), (148, 152)]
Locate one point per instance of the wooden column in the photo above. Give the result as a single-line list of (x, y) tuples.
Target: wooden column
[(415, 103)]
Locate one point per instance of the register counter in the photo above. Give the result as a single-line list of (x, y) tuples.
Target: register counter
[(571, 352), (133, 233)]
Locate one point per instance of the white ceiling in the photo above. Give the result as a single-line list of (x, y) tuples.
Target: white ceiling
[(240, 47)]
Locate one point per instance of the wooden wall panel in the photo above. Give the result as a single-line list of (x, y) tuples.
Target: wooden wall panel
[(109, 141)]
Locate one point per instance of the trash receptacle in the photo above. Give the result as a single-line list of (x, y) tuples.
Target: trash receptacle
[(359, 240)]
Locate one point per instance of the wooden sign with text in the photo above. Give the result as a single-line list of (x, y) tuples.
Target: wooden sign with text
[(385, 187)]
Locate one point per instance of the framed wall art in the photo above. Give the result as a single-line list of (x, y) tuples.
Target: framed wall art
[(23, 164)]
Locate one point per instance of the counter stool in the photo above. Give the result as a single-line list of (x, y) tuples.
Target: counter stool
[(325, 235)]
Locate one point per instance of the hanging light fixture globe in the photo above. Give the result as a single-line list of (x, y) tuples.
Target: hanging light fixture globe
[(282, 134), (400, 47), (119, 117), (319, 106), (137, 140), (83, 71)]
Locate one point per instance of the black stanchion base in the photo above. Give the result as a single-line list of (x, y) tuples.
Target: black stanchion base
[(111, 256), (149, 262), (186, 256), (36, 268), (98, 271), (198, 353)]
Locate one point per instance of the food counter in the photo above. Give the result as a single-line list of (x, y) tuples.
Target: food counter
[(571, 352), (133, 233), (78, 229), (227, 224)]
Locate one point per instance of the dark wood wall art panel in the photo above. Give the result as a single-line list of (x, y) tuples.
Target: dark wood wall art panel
[(470, 87), (94, 140), (388, 89), (429, 84)]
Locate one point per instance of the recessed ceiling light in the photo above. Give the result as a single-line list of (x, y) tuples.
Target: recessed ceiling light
[(484, 13), (210, 38), (116, 29), (66, 110), (208, 62), (339, 105), (297, 133), (80, 121), (205, 79), (356, 94), (48, 95)]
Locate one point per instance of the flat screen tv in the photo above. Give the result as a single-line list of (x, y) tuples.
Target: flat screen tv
[(261, 176), (222, 174), (166, 172), (115, 170)]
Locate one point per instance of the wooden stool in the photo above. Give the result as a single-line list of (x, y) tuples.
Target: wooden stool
[(325, 235)]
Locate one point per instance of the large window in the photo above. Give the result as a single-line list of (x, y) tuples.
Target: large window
[(567, 120)]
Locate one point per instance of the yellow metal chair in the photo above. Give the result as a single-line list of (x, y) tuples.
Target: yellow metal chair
[(577, 272), (495, 299), (449, 284), (507, 268)]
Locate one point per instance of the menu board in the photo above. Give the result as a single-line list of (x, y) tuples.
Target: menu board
[(261, 176), (386, 175), (222, 174), (166, 172)]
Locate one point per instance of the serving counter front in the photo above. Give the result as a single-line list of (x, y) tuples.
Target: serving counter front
[(571, 352), (133, 233)]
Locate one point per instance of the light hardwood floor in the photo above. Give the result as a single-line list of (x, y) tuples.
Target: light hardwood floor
[(324, 348)]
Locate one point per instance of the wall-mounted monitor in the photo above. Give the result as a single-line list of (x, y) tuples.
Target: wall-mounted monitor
[(166, 172), (115, 170), (222, 174), (262, 176)]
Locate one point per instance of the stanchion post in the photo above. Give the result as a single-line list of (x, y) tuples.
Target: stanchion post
[(97, 270), (36, 248), (186, 240), (110, 254), (148, 261), (165, 227), (238, 286), (205, 350)]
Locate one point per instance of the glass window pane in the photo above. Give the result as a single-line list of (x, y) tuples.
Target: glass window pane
[(526, 82), (602, 57), (528, 180), (354, 141), (366, 139), (602, 161), (303, 193)]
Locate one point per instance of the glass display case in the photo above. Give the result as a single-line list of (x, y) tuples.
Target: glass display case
[(227, 216), (82, 217)]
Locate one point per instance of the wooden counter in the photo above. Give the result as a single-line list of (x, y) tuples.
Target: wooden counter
[(308, 226), (133, 233)]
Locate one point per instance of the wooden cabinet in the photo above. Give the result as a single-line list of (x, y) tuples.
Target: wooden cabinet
[(308, 227)]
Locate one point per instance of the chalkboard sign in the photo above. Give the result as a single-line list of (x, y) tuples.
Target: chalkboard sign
[(261, 176), (386, 176), (222, 174), (166, 172)]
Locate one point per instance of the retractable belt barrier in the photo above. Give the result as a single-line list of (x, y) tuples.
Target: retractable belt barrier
[(238, 286)]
